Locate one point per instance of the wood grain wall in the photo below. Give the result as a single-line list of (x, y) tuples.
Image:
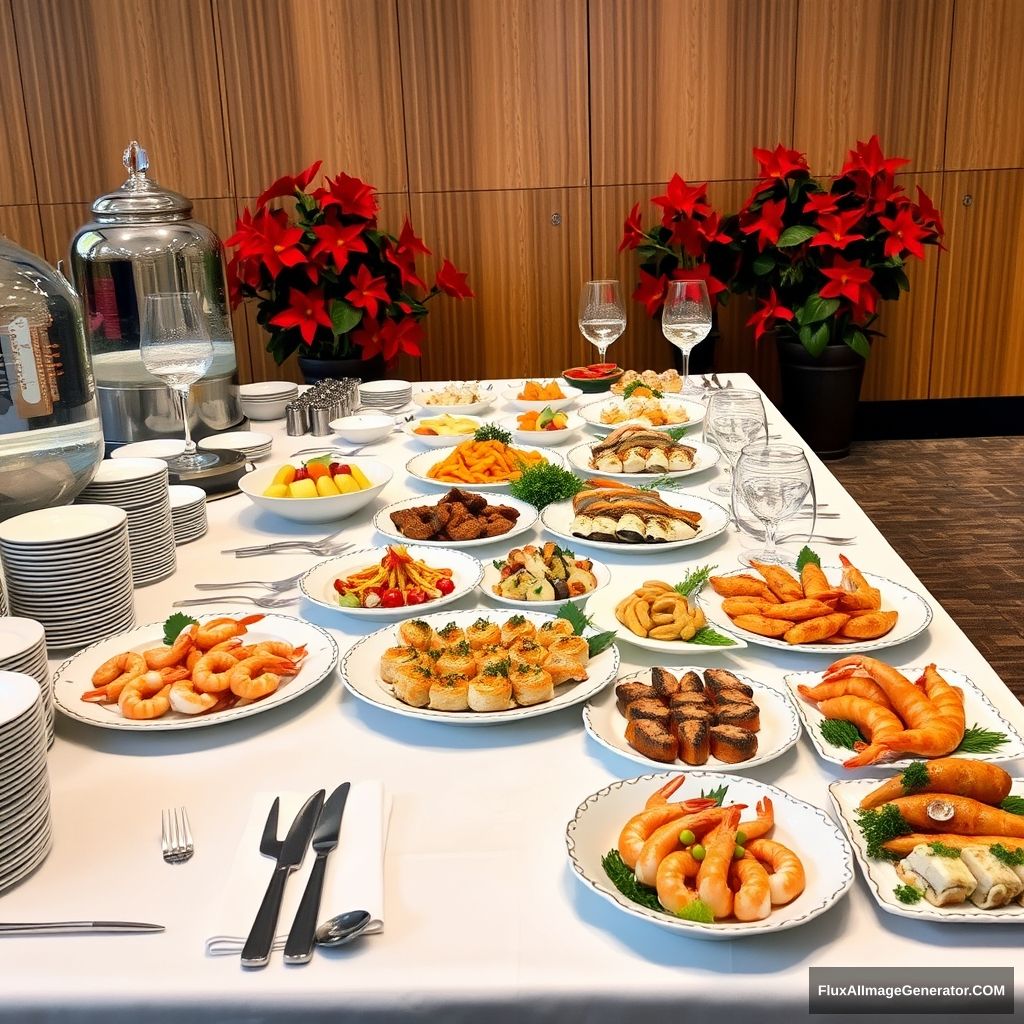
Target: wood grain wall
[(518, 133)]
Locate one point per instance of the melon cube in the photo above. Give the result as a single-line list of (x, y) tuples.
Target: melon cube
[(302, 488)]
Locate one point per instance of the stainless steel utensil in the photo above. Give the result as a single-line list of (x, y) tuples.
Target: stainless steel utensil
[(277, 585), (282, 545), (78, 927), (290, 854), (176, 841), (299, 947), (336, 931), (260, 602), (320, 550)]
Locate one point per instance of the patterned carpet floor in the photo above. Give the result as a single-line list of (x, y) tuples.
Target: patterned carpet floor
[(959, 524)]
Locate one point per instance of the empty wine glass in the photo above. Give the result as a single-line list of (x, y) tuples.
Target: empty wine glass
[(176, 347), (772, 480), (686, 317), (733, 419), (602, 314)]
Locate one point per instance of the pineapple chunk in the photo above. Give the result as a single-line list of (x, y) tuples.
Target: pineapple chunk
[(360, 477), (346, 483), (276, 491), (285, 475), (326, 487), (302, 488)]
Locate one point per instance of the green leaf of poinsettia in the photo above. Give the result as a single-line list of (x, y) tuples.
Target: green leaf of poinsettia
[(795, 235), (344, 317), (763, 264), (859, 344), (816, 309), (818, 340)]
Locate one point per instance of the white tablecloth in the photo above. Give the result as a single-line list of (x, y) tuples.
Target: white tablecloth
[(484, 915)]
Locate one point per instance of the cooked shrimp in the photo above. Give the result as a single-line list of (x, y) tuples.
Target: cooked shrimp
[(657, 812), (860, 595), (753, 899), (673, 872), (942, 734), (906, 699), (214, 632), (815, 584), (166, 657), (877, 723), (145, 697), (281, 649), (213, 670), (713, 877), (185, 699), (786, 878), (113, 675), (851, 686), (665, 839), (258, 677), (660, 796), (762, 824), (781, 583)]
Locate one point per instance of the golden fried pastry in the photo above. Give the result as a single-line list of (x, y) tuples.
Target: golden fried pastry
[(528, 651), (813, 630), (741, 586), (664, 683), (694, 736), (869, 625), (763, 627), (652, 740), (690, 682), (412, 685), (458, 660), (571, 647), (449, 693), (450, 635), (549, 632), (781, 583), (564, 668), (626, 693), (746, 716), (798, 611), (731, 744), (516, 628), (490, 693), (530, 684), (651, 709), (394, 658), (483, 633), (419, 634)]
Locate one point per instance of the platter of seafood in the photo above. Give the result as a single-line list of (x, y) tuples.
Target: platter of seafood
[(857, 613), (711, 855), (861, 711), (459, 519), (136, 681), (685, 717), (654, 413), (636, 453), (464, 668), (940, 840), (614, 516)]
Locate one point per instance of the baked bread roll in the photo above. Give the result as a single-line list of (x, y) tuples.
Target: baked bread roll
[(516, 628), (449, 693), (412, 685), (551, 631), (690, 682), (665, 684), (417, 633), (483, 633), (563, 668), (625, 693), (528, 651), (746, 716), (394, 658), (530, 684), (490, 693), (650, 709), (716, 679)]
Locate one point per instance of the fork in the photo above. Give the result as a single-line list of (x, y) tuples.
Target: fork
[(260, 602), (320, 550), (276, 585), (283, 545), (176, 836)]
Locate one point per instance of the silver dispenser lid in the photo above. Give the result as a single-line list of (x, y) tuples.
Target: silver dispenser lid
[(140, 198)]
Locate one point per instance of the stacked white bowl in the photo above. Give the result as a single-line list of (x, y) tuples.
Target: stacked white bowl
[(188, 512), (24, 781), (268, 399), (139, 486), (70, 569), (251, 443), (23, 649), (385, 394)]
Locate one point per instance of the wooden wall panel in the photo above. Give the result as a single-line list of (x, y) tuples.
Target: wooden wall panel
[(867, 67), (17, 178), (99, 73), (526, 273), (688, 86), (21, 225), (496, 93), (980, 307), (985, 128), (311, 79)]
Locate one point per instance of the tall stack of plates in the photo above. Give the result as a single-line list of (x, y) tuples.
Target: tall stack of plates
[(385, 394), (24, 780), (23, 649), (188, 512), (268, 399), (70, 569), (3, 598), (251, 443), (139, 486)]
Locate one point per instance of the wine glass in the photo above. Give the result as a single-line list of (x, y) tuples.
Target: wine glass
[(733, 419), (772, 480), (602, 314), (686, 318), (176, 347)]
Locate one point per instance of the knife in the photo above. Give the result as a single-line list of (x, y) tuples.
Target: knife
[(256, 952), (77, 927), (299, 947)]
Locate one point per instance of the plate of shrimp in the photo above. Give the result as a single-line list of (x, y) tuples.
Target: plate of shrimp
[(222, 667), (711, 855), (901, 714)]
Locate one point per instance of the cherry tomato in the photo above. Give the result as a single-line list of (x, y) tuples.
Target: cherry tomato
[(392, 598), (415, 596), (339, 586), (445, 585)]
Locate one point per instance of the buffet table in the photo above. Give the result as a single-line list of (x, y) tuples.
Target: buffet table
[(483, 913)]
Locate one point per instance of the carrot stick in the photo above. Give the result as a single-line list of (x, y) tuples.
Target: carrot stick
[(958, 775), (970, 817)]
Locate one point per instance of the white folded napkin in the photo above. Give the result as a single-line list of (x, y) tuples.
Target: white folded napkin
[(354, 879)]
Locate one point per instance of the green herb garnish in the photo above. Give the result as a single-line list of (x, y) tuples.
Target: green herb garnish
[(175, 624), (718, 795), (806, 555), (1011, 858), (942, 850), (634, 384), (516, 620), (697, 911), (492, 432), (545, 483), (625, 881), (915, 776), (1013, 805), (840, 733), (907, 894), (677, 433), (496, 668), (580, 623), (981, 741), (498, 563), (462, 649), (694, 580), (711, 638), (880, 825)]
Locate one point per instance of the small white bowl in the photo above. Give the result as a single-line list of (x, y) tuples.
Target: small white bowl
[(316, 510), (244, 441), (544, 438), (487, 396), (267, 389), (571, 394), (266, 410), (363, 428), (492, 577), (440, 440)]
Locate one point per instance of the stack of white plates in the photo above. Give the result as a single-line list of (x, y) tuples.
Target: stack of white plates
[(188, 512), (23, 649), (159, 448), (268, 399), (70, 569), (24, 780), (3, 598), (385, 394), (252, 444), (139, 486)]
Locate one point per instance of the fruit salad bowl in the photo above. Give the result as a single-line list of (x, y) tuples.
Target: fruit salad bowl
[(303, 507)]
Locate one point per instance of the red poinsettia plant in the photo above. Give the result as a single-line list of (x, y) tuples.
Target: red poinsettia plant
[(820, 257), (330, 283)]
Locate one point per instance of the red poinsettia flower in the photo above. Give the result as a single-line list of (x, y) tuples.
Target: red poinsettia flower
[(335, 241), (368, 291), (289, 184), (274, 241), (780, 162), (700, 272), (768, 312), (835, 229), (767, 223), (651, 292), (868, 157), (846, 279), (821, 202), (353, 197), (710, 229), (452, 281), (687, 234), (307, 311), (682, 200), (632, 233), (905, 234), (867, 306), (389, 338), (928, 213)]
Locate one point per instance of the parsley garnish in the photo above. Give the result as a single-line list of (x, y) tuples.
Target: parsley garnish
[(881, 825), (625, 881), (907, 893), (915, 776), (981, 741), (492, 432), (840, 733), (175, 624), (1011, 858), (942, 850), (694, 580), (1013, 805), (806, 555)]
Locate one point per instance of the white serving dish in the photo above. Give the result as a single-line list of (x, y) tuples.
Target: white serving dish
[(383, 525), (418, 466), (440, 440), (544, 438), (486, 393), (705, 457), (591, 414), (363, 428), (159, 448), (554, 404), (492, 576)]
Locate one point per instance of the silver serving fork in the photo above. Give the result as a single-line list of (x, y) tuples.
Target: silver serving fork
[(176, 841)]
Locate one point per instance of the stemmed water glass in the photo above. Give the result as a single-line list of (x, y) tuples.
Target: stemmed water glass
[(733, 419), (686, 318), (602, 316), (175, 346), (772, 480)]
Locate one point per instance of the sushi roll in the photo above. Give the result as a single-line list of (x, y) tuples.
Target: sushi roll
[(998, 884)]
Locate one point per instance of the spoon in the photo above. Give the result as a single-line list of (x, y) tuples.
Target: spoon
[(336, 931)]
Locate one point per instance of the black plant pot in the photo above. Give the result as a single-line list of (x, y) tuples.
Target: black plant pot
[(314, 370), (820, 395)]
